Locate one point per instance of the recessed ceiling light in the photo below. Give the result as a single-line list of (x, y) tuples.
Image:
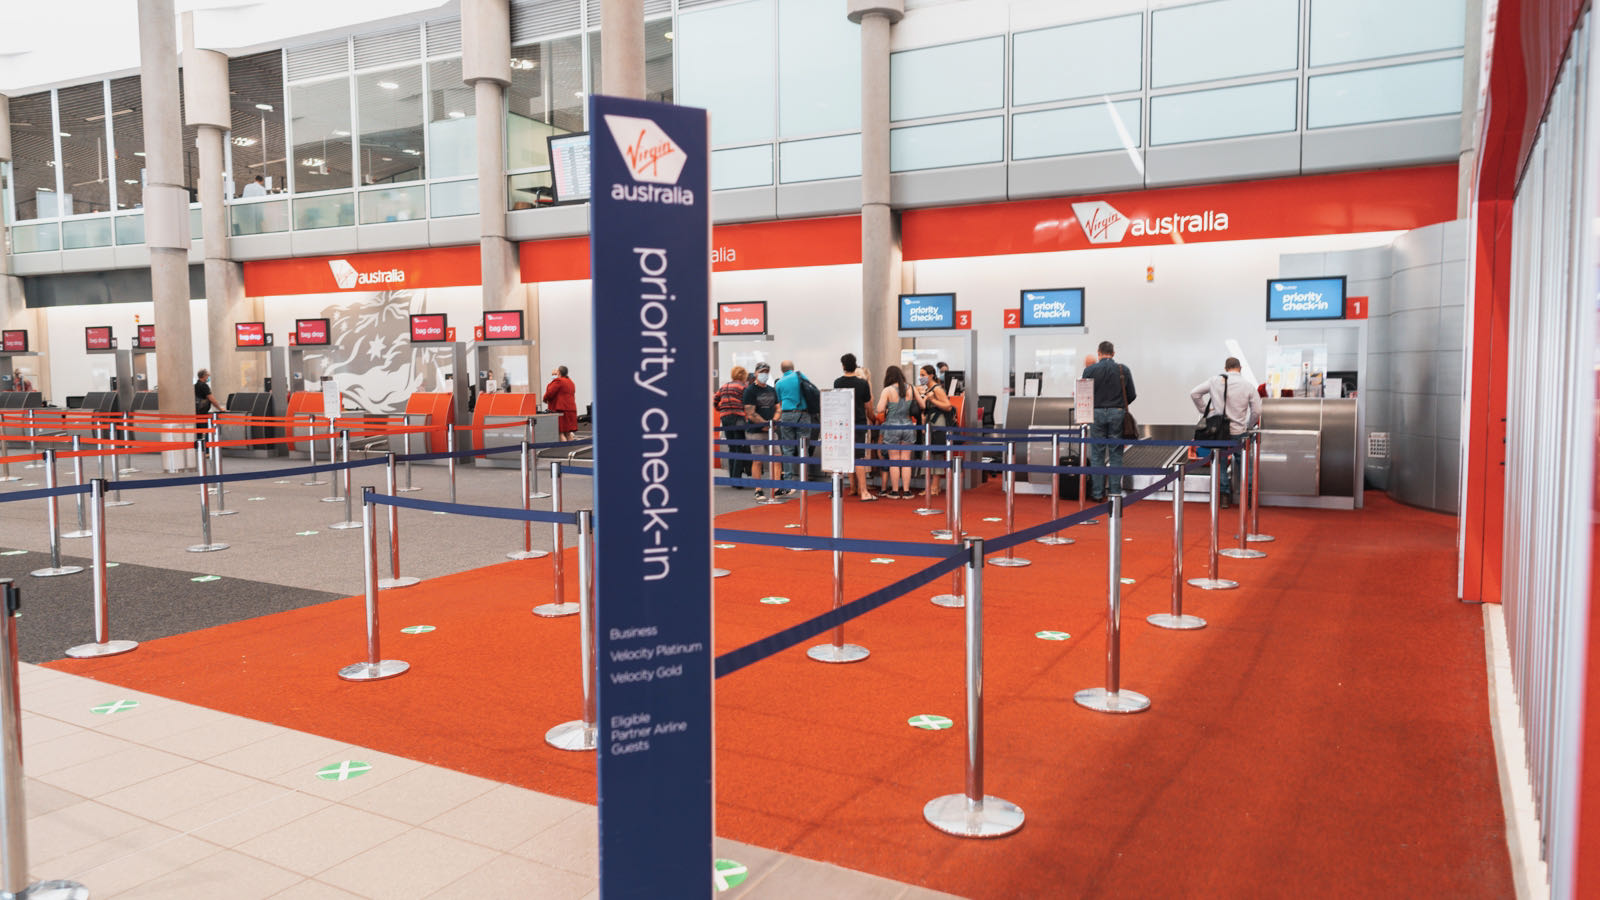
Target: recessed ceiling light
[(456, 114), (138, 153), (64, 134), (244, 142), (577, 93), (387, 158), (130, 181), (341, 133), (409, 152), (264, 107), (388, 85), (668, 35), (311, 162)]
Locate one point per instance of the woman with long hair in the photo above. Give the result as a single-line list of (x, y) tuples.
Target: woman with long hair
[(937, 408), (894, 406)]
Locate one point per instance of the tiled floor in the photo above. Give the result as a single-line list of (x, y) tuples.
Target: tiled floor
[(168, 800)]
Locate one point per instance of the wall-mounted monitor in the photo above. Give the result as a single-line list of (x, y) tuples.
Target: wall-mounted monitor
[(251, 334), (742, 318), (919, 312), (429, 328), (1052, 307), (311, 332), (98, 337), (569, 167), (502, 325), (146, 338), (14, 341), (1305, 299)]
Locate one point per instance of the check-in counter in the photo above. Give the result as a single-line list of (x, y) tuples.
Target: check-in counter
[(1311, 454)]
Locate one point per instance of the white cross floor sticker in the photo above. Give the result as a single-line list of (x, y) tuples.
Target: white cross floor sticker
[(206, 578), (929, 723), (344, 771), (881, 560), (724, 546), (106, 709), (725, 874), (1127, 581), (774, 601), (416, 629), (13, 553), (1051, 635)]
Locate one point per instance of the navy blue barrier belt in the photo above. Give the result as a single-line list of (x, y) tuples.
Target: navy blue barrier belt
[(1069, 470), (241, 476), (904, 464), (762, 457), (848, 545), (773, 483), (463, 509), (41, 493), (570, 469), (760, 443), (1006, 542), (481, 451)]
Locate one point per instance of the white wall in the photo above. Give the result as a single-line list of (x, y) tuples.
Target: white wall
[(74, 372)]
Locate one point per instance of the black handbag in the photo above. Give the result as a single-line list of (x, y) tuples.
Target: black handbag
[(1215, 427), (1130, 428)]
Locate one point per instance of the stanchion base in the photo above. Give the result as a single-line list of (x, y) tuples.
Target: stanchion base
[(119, 502), (949, 601), (1116, 702), (1054, 540), (1213, 584), (221, 512), (527, 554), (34, 465), (54, 890), (556, 610), (109, 648), (1240, 553), (1259, 538), (11, 478), (81, 533), (361, 671), (538, 495), (1184, 622), (345, 526), (574, 735), (58, 570), (956, 814), (206, 548), (928, 511), (847, 653), (387, 584), (720, 573), (941, 534), (330, 499), (407, 490), (1010, 562), (769, 500)]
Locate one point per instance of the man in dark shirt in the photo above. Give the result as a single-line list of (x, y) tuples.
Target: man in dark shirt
[(852, 380), (1113, 391), (204, 400), (760, 408)]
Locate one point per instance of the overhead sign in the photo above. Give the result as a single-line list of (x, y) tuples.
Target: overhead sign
[(429, 328), (1300, 299), (651, 227), (146, 338), (98, 337), (311, 332), (502, 325), (839, 430), (925, 311), (791, 243), (251, 334), (14, 341), (1052, 307), (742, 318), (433, 267)]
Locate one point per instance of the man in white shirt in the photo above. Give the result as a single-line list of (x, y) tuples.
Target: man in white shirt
[(1229, 394), (256, 188)]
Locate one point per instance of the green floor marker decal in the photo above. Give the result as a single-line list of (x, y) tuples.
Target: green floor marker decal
[(929, 723), (724, 546), (727, 874), (304, 533), (1127, 581), (13, 553), (206, 578), (344, 771), (416, 629), (881, 560), (792, 525), (106, 709), (993, 519), (1051, 635), (112, 565), (774, 601)]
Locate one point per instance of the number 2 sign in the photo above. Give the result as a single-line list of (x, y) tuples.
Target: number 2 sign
[(1013, 318)]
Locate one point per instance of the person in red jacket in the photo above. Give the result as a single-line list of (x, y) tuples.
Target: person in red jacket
[(560, 396)]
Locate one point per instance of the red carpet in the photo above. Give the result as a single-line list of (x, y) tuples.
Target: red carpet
[(1327, 735)]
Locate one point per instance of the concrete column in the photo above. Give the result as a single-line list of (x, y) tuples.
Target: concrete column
[(622, 53), (5, 157), (880, 235), (166, 204)]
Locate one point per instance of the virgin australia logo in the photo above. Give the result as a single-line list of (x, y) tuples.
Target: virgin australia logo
[(346, 276), (652, 158), (1101, 222)]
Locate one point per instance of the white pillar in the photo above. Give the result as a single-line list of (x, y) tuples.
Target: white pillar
[(166, 204), (880, 238), (622, 40)]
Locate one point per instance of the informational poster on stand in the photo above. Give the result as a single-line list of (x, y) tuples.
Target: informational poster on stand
[(1083, 401), (651, 258), (838, 431), (331, 404)]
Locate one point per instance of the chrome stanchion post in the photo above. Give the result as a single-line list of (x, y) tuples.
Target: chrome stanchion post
[(82, 530), (838, 651), (1243, 551), (33, 442), (333, 479), (955, 484), (927, 474), (130, 468), (349, 517), (1112, 698), (805, 478), (222, 494), (1011, 560), (116, 494), (974, 813), (406, 417), (1176, 620), (53, 514), (13, 800), (527, 551), (103, 644), (395, 579), (1254, 459), (206, 545), (450, 447), (957, 596), (1212, 582), (311, 450), (535, 493), (1055, 493), (374, 668), (580, 734), (5, 451), (560, 606), (774, 467), (1083, 478)]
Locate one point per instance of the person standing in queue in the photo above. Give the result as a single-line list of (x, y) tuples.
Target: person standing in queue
[(1113, 391), (894, 406), (1232, 395), (204, 400), (760, 409), (561, 396), (855, 380), (937, 408), (728, 404), (792, 419)]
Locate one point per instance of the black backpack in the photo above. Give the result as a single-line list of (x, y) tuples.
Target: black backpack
[(811, 395)]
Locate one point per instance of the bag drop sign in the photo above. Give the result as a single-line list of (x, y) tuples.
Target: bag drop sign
[(650, 255)]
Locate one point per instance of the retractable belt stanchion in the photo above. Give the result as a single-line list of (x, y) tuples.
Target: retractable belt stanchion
[(82, 530), (333, 479), (805, 478), (1176, 620), (1083, 479), (580, 734), (349, 520), (5, 451), (213, 435), (313, 480), (957, 597), (1243, 551), (927, 474), (534, 493), (774, 468), (395, 579), (838, 651), (1055, 494), (206, 545), (1011, 559), (952, 496), (1212, 582), (375, 668), (103, 644), (450, 447), (1254, 459), (558, 579), (116, 494), (130, 468), (1112, 698), (527, 551), (974, 813), (222, 494), (53, 514), (13, 801), (406, 420), (33, 442)]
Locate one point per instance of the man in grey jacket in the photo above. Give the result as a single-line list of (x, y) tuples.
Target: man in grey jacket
[(1232, 395)]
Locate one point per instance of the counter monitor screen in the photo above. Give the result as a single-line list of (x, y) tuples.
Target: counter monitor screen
[(428, 328), (569, 167), (15, 341), (250, 334), (146, 338), (1305, 299), (742, 318), (502, 325), (98, 337), (311, 332), (1052, 307), (919, 312)]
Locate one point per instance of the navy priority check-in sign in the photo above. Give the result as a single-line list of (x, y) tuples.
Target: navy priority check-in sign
[(651, 262)]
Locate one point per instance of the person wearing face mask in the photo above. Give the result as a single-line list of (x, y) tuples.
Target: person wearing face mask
[(561, 396), (936, 411), (760, 408)]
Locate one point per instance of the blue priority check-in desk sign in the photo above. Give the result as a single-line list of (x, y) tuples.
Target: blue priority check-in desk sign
[(650, 244)]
